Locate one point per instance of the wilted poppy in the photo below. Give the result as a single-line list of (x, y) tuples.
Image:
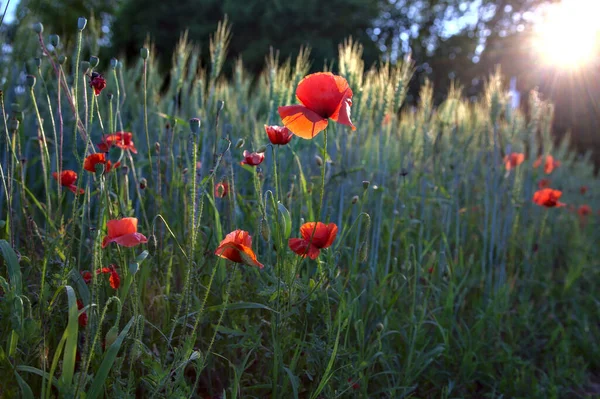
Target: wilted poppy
[(583, 190), (98, 82), (221, 189), (114, 279), (253, 158), (86, 275), (67, 179), (310, 244), (513, 160), (549, 164), (548, 197), (323, 96), (98, 158), (83, 318), (123, 232), (543, 183), (123, 140), (278, 135), (237, 247)]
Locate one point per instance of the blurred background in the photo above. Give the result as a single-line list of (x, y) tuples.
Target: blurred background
[(546, 44)]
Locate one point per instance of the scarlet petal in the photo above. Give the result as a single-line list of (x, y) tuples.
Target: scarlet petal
[(303, 248), (342, 113), (322, 92), (130, 240), (237, 247), (302, 121), (114, 280), (73, 188), (118, 227), (324, 234)]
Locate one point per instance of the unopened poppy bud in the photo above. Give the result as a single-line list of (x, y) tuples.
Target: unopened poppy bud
[(144, 53), (195, 125), (265, 232), (54, 40), (94, 61), (261, 149), (125, 170), (19, 116), (143, 183), (99, 167), (13, 124), (184, 171), (239, 144), (81, 23), (114, 62), (355, 199), (319, 160), (111, 336), (404, 172), (37, 61), (38, 27), (85, 66), (363, 252), (152, 245), (380, 327), (366, 184), (220, 105), (157, 147), (62, 59), (30, 79), (110, 96)]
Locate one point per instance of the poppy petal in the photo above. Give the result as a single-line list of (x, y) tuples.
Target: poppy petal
[(119, 227), (130, 240), (303, 248), (342, 113), (302, 121), (322, 92)]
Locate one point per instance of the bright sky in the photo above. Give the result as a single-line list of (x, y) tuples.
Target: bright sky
[(10, 13)]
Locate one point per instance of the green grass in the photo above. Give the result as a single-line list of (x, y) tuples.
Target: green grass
[(445, 280)]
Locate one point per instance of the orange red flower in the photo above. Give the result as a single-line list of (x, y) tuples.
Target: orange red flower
[(513, 160), (83, 318), (278, 135), (114, 279), (253, 158), (237, 247), (548, 197), (549, 164), (123, 140), (97, 82), (543, 183), (87, 276), (315, 236), (322, 96), (583, 190), (98, 158), (123, 232), (67, 179), (584, 210), (221, 189)]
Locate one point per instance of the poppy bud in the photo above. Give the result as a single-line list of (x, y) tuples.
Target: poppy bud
[(99, 167), (125, 170), (85, 66), (81, 23), (94, 61), (111, 336), (366, 184), (319, 160), (220, 105), (110, 96), (403, 172), (30, 79), (157, 147), (261, 149), (239, 144), (19, 116), (114, 63), (265, 232), (143, 183), (144, 53), (184, 171), (380, 327), (13, 125), (62, 59), (363, 252), (54, 40), (38, 27), (355, 199), (152, 245), (37, 61), (195, 125)]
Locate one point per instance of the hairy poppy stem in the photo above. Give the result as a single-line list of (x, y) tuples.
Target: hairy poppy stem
[(44, 153), (323, 174), (145, 75), (76, 94)]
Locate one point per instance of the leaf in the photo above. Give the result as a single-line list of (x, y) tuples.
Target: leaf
[(68, 366), (140, 258), (241, 305), (26, 391), (107, 362), (12, 264), (286, 220)]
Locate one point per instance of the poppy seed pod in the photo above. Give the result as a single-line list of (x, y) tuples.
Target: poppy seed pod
[(62, 59), (30, 79), (318, 160), (261, 149), (81, 23), (54, 40), (144, 53), (239, 144), (13, 124), (38, 27), (85, 66), (114, 63), (195, 125), (94, 61), (380, 327), (37, 61)]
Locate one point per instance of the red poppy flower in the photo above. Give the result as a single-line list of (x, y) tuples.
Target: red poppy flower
[(98, 82), (584, 210), (87, 276), (548, 197), (549, 165), (278, 135), (583, 190), (323, 96), (253, 158), (114, 279), (237, 247), (83, 318), (67, 179), (311, 245), (221, 189), (123, 232), (513, 160), (544, 183), (98, 158), (355, 385), (122, 140)]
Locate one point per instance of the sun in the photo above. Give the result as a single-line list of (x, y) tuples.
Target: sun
[(569, 34)]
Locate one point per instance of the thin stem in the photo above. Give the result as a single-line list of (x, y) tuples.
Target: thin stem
[(76, 93), (146, 115)]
